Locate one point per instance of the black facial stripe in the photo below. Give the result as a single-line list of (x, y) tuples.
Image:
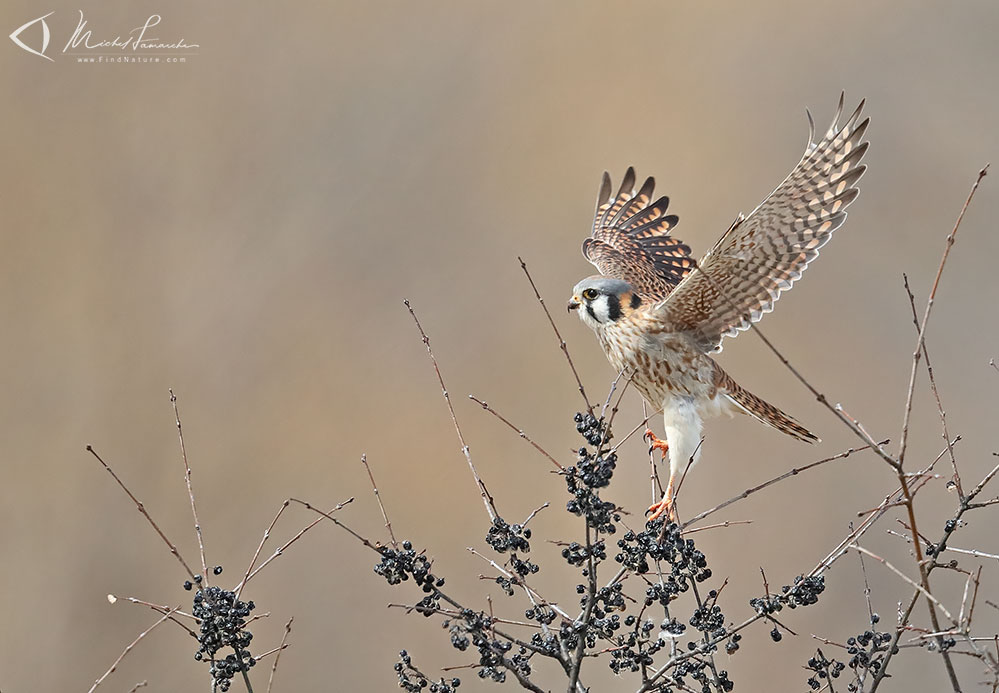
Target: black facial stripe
[(589, 309), (635, 301), (613, 308)]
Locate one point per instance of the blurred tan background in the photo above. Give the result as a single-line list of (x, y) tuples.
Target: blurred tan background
[(243, 228)]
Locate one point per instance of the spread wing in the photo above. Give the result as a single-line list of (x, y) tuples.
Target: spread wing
[(762, 255), (631, 239)]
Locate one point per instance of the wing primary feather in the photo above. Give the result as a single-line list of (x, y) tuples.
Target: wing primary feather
[(636, 203), (834, 126), (631, 238), (763, 254), (605, 190), (650, 214)]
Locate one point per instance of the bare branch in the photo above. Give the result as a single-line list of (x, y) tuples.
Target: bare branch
[(190, 489), (487, 499), (561, 342), (926, 316), (128, 649), (905, 577), (519, 431), (374, 487), (142, 509), (279, 551), (793, 472), (277, 656)]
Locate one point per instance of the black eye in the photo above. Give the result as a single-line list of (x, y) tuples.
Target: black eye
[(589, 294)]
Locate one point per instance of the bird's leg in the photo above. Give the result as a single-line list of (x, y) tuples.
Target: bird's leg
[(656, 443), (666, 505)]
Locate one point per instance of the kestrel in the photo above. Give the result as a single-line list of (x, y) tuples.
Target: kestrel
[(658, 314)]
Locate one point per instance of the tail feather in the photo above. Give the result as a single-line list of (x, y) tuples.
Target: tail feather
[(766, 412)]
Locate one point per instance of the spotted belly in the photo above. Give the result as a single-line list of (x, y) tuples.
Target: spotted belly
[(666, 365)]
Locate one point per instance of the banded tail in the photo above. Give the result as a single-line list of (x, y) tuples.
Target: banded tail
[(764, 411)]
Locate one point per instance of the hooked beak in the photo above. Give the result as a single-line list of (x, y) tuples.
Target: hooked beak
[(574, 304)]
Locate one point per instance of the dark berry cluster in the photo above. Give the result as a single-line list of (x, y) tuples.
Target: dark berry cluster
[(567, 635), (867, 654), (222, 620), (709, 619), (592, 471), (636, 648), (541, 614), (688, 565), (867, 651), (587, 503), (503, 537), (936, 549), (610, 598), (506, 584), (804, 592), (577, 554), (700, 671), (823, 669), (591, 428), (474, 628), (413, 681), (398, 565), (732, 646)]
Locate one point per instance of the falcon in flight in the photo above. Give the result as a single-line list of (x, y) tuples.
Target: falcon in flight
[(658, 314)]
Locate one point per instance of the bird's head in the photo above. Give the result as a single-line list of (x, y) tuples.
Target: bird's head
[(601, 301)]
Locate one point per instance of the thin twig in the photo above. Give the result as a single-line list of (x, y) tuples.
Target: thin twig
[(520, 581), (328, 516), (190, 489), (926, 316), (561, 342), (535, 512), (867, 585), (765, 484), (162, 609), (273, 650), (900, 461), (142, 509), (726, 523), (610, 393), (374, 487), (610, 420), (277, 657), (836, 410), (641, 424), (591, 592), (657, 487), (519, 431), (128, 649), (487, 499), (457, 613), (904, 615), (260, 546), (873, 515), (280, 550), (934, 390)]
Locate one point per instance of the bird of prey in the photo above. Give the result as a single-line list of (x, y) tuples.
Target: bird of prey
[(658, 314)]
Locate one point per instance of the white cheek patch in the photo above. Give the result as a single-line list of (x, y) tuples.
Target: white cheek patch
[(601, 309)]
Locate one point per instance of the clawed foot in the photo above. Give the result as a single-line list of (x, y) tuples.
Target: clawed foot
[(655, 444), (664, 506)]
